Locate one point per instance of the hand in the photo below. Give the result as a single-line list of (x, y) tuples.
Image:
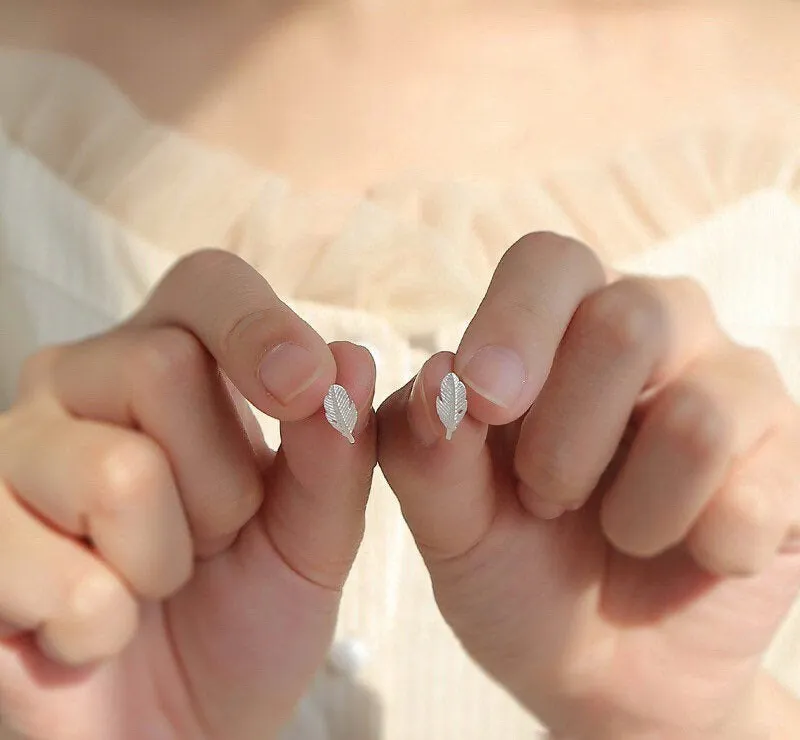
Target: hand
[(608, 532), (162, 573)]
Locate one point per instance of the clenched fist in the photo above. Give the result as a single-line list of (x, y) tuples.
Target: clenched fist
[(611, 532), (163, 574)]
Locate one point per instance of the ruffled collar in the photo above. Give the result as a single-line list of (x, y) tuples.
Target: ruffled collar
[(415, 252)]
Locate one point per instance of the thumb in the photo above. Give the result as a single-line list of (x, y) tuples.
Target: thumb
[(319, 484), (446, 489), (275, 359)]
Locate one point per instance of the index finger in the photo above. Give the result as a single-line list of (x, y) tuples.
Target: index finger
[(508, 349), (275, 359)]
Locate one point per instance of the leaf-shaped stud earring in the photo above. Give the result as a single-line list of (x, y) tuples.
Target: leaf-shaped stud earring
[(341, 412), (451, 405)]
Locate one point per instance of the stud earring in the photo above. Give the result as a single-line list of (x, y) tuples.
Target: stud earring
[(341, 412), (451, 405)]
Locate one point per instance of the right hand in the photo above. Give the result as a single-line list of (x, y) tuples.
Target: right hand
[(622, 465), (163, 574)]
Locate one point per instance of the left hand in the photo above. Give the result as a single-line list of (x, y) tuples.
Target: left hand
[(609, 531), (163, 574)]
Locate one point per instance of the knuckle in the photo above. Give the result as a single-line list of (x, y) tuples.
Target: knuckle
[(696, 425), (95, 593), (531, 313), (128, 470), (208, 266), (107, 613), (740, 532), (232, 334), (746, 504), (628, 316), (571, 251), (208, 259), (227, 518), (166, 358), (726, 557), (551, 475), (566, 250), (195, 268)]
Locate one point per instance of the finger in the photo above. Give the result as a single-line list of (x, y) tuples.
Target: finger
[(113, 487), (623, 339), (272, 356), (445, 488), (319, 483), (743, 528), (509, 346), (164, 383), (694, 432), (50, 584)]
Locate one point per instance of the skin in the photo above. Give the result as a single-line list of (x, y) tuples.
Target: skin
[(613, 540), (163, 554)]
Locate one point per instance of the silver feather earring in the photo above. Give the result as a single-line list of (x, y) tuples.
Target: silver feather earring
[(341, 412), (451, 405)]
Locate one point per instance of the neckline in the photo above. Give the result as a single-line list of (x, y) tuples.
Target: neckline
[(365, 252)]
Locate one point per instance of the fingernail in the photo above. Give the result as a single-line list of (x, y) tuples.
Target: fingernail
[(538, 506), (497, 374), (287, 370)]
